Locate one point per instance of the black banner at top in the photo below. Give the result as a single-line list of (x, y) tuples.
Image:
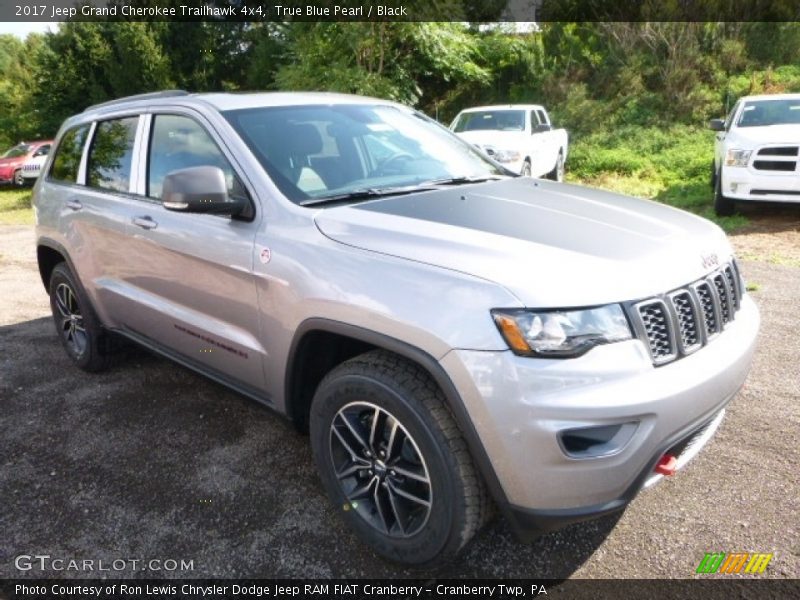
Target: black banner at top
[(528, 11)]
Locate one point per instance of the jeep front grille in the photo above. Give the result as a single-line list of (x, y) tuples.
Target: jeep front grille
[(686, 319)]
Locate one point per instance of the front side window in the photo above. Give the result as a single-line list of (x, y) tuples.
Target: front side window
[(318, 152), (111, 154), (68, 155), (178, 142)]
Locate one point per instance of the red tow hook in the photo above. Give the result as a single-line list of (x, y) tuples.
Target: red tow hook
[(666, 465)]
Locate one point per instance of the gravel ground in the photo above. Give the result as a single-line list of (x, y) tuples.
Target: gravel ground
[(150, 461)]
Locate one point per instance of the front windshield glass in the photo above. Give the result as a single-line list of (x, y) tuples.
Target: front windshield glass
[(491, 120), (760, 113), (315, 152), (17, 151)]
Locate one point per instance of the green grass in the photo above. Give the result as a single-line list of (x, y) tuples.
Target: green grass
[(15, 207), (671, 165)]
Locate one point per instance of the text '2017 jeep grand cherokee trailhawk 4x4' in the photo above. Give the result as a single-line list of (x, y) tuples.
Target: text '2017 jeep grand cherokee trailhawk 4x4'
[(447, 332)]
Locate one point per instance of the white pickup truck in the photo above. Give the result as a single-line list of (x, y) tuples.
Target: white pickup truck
[(756, 152), (519, 136)]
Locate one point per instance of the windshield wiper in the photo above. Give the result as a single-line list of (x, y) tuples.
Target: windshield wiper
[(463, 180), (366, 194)]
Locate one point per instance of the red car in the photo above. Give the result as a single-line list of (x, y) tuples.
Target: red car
[(12, 160)]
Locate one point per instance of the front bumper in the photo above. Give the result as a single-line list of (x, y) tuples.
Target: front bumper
[(521, 408), (747, 183)]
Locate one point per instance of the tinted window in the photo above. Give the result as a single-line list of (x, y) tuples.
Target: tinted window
[(178, 143), (761, 113), (315, 152), (68, 155), (42, 150), (111, 154), (17, 151), (499, 120)]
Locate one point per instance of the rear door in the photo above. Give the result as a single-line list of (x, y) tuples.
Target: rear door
[(89, 182), (193, 282)]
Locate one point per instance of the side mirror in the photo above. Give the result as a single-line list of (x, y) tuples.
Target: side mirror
[(199, 190), (716, 124), (541, 128)]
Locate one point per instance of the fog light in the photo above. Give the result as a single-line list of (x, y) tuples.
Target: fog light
[(592, 442)]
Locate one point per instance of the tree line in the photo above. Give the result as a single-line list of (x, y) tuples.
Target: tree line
[(591, 75)]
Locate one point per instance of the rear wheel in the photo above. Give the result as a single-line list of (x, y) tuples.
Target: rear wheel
[(393, 461), (79, 329), (723, 206)]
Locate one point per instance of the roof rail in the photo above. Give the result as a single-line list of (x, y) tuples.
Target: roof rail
[(148, 96)]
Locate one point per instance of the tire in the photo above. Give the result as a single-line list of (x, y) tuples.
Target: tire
[(723, 206), (526, 168), (424, 458), (19, 180), (557, 174), (85, 341)]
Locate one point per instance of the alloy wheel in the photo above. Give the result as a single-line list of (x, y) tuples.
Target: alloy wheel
[(380, 469), (71, 320)]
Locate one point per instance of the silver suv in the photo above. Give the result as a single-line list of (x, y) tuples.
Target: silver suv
[(453, 337)]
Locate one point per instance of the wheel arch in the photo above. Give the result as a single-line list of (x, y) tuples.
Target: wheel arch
[(48, 254), (303, 378)]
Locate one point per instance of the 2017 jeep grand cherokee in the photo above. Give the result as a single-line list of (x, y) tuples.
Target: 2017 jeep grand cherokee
[(453, 337)]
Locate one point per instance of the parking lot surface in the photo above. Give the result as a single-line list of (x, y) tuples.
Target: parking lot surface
[(151, 461)]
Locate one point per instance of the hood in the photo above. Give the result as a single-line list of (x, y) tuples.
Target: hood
[(501, 140), (550, 244), (770, 134), (12, 162)]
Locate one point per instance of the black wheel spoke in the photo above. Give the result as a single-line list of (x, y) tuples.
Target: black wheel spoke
[(410, 474), (409, 496), (348, 448), (395, 509)]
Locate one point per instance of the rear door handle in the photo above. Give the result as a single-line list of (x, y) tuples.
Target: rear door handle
[(74, 204), (145, 222)]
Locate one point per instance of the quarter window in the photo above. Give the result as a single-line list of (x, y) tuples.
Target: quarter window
[(179, 143), (68, 155), (111, 154)]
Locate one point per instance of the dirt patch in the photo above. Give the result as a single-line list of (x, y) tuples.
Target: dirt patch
[(772, 235)]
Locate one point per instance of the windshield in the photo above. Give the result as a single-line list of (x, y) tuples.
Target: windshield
[(17, 151), (316, 152), (760, 113), (491, 120)]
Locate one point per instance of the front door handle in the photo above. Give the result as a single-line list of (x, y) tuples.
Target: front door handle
[(145, 222), (74, 204)]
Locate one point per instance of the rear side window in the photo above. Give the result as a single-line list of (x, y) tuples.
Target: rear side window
[(68, 155), (111, 154)]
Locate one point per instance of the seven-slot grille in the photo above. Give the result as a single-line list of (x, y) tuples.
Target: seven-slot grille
[(686, 319)]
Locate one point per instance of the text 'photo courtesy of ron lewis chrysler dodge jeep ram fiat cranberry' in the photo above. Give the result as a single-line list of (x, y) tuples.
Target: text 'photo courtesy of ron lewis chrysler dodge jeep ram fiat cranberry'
[(458, 339)]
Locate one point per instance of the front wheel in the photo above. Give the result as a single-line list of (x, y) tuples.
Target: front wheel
[(557, 174), (723, 206), (393, 461), (526, 168), (19, 180)]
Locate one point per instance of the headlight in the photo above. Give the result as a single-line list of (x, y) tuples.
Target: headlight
[(506, 156), (561, 333), (737, 158)]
